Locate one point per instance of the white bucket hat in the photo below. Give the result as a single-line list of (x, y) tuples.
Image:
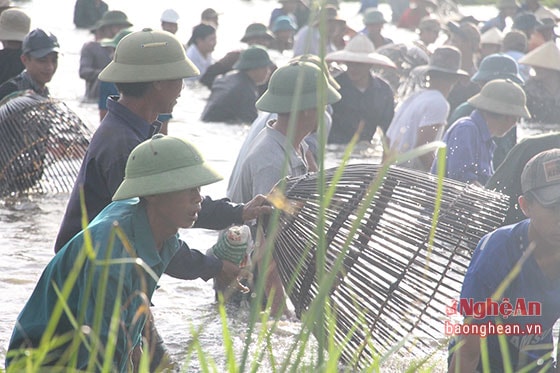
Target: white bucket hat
[(14, 24), (360, 49), (170, 16), (492, 36), (546, 56)]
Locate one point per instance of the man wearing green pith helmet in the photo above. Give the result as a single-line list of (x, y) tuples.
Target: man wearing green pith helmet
[(294, 95), (148, 68), (160, 194)]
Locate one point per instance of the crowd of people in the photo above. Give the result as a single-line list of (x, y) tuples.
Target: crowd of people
[(462, 81)]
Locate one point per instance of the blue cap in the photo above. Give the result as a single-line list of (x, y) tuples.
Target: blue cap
[(38, 43), (283, 23), (497, 66), (525, 22)]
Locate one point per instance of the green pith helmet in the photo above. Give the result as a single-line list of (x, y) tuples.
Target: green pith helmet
[(320, 63), (373, 16), (164, 164), (113, 42), (112, 18), (256, 30), (253, 58), (148, 56), (501, 96), (295, 87)]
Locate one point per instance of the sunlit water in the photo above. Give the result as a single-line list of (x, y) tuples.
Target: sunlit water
[(28, 226)]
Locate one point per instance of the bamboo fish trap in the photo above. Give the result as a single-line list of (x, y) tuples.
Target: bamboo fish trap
[(392, 288), (42, 144)]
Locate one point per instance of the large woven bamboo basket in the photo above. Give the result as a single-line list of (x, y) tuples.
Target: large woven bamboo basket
[(393, 288), (42, 144)]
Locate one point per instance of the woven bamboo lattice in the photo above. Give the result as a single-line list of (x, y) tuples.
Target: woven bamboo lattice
[(390, 276), (42, 144)]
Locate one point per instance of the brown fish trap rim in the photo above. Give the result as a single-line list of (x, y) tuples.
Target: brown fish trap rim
[(392, 288), (42, 144)]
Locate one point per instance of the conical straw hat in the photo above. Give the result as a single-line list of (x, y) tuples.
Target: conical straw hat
[(360, 49), (547, 56), (492, 36)]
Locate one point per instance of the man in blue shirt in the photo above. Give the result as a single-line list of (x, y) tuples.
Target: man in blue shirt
[(470, 147), (506, 9), (529, 302), (146, 90), (166, 173)]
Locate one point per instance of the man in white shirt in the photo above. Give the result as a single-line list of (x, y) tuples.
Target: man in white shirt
[(200, 47), (279, 149), (421, 117)]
